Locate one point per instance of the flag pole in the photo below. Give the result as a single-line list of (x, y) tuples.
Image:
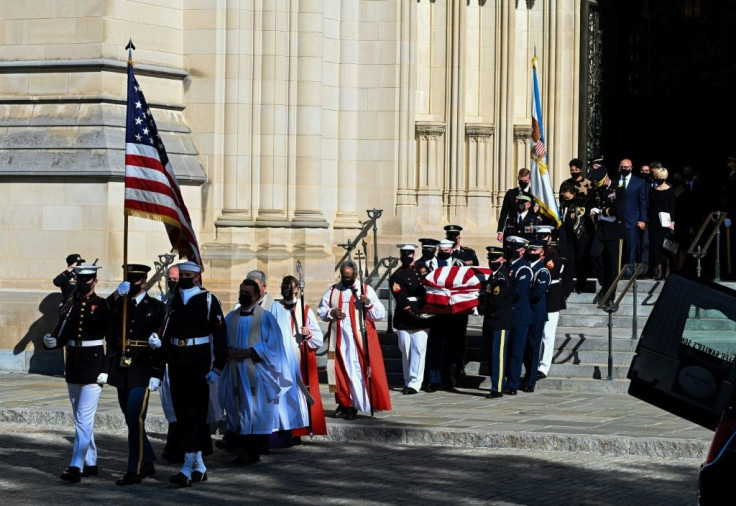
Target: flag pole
[(125, 360)]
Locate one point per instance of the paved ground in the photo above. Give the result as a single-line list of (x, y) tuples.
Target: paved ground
[(326, 472)]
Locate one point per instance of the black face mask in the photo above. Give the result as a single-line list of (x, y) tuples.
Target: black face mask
[(135, 289), (659, 182), (624, 172), (428, 254), (646, 177), (514, 254), (533, 257), (576, 175), (245, 300), (523, 185), (406, 259), (495, 263), (172, 284), (443, 256), (521, 207), (186, 283), (287, 293), (84, 287), (347, 282)]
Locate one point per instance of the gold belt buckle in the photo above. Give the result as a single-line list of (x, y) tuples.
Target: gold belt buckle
[(182, 343), (125, 361)]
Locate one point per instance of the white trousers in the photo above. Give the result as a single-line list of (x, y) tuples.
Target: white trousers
[(84, 400), (413, 346), (548, 342)]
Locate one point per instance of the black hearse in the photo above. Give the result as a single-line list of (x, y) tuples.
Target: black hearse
[(684, 364)]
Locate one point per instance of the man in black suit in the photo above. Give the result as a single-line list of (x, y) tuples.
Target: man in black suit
[(465, 255), (635, 196), (508, 208), (136, 369)]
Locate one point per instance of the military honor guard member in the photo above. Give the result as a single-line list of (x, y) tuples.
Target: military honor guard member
[(256, 375), (194, 331), (136, 369), (348, 361), (466, 255), (556, 300), (67, 279), (408, 291), (81, 329), (521, 223), (509, 206), (306, 340), (520, 278), (428, 261), (495, 302), (538, 304), (606, 209)]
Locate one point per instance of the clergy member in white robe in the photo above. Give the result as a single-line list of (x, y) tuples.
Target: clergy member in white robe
[(256, 375), (347, 360)]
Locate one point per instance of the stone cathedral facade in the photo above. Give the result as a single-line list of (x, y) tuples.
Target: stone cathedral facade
[(285, 121)]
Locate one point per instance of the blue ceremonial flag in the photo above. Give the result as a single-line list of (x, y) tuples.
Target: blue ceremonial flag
[(542, 190)]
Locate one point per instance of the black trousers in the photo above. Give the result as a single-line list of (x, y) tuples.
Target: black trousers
[(605, 256)]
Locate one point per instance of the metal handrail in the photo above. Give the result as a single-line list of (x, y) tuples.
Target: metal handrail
[(611, 308), (699, 252), (373, 215)]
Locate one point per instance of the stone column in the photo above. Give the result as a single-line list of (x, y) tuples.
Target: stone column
[(430, 136), (406, 194), (522, 147), (308, 178), (479, 159), (455, 110)]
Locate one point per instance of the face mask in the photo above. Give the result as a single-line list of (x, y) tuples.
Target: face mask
[(659, 181), (523, 185), (407, 259), (533, 257), (575, 175), (186, 283), (245, 300), (521, 207), (172, 284), (135, 289), (347, 282), (287, 293), (646, 177), (495, 263), (443, 256), (514, 254), (624, 172), (428, 254), (83, 288)]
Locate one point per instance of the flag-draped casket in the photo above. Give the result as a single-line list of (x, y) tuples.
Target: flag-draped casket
[(453, 290)]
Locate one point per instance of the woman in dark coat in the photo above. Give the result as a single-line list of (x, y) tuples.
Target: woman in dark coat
[(661, 201)]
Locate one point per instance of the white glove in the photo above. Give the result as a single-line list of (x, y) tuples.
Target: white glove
[(154, 341), (49, 341), (102, 378), (212, 377), (153, 384), (123, 287)]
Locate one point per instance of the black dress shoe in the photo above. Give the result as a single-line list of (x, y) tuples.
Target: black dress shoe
[(494, 395), (540, 375), (228, 446), (246, 458), (72, 475), (403, 390), (598, 297), (181, 479), (89, 471), (129, 479), (197, 476), (528, 389), (148, 469), (432, 387), (410, 391), (509, 391), (351, 414)]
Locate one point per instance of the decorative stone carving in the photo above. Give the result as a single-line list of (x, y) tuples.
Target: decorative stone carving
[(430, 129)]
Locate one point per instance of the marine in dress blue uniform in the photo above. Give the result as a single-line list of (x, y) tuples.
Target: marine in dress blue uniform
[(495, 302), (538, 305), (81, 329), (136, 369), (520, 277)]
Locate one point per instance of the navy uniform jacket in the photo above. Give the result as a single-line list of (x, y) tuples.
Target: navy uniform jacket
[(508, 207), (520, 278), (538, 291), (86, 319), (466, 255), (495, 302), (198, 318), (408, 291), (524, 229), (610, 200), (143, 319), (555, 264)]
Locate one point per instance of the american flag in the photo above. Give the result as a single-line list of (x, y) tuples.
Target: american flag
[(151, 188), (453, 290)]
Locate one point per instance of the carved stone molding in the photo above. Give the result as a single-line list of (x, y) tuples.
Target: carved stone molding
[(479, 131), (522, 132), (430, 129)]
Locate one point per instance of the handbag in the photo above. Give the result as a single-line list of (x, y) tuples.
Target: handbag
[(669, 244)]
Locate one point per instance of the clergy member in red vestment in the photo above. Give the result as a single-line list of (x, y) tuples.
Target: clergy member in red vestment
[(347, 360), (307, 338)]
